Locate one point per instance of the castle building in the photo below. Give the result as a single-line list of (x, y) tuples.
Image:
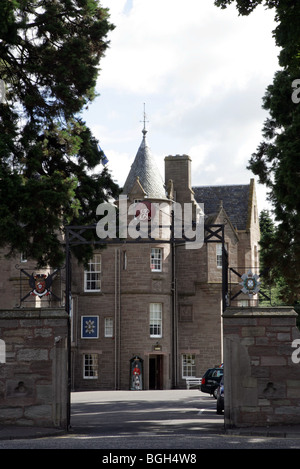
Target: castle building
[(147, 313)]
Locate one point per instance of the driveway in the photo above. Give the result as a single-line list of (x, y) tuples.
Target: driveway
[(144, 412), (135, 422)]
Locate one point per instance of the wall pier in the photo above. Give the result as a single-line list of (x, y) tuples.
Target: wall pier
[(34, 374), (261, 380)]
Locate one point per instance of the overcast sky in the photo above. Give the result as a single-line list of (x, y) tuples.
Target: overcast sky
[(202, 73)]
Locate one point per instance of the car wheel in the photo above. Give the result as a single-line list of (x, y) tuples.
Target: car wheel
[(215, 393)]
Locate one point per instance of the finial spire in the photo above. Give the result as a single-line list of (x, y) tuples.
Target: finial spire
[(145, 116)]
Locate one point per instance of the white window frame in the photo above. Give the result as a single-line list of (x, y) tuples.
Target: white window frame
[(93, 275), (23, 257), (156, 257), (219, 256), (90, 365), (108, 327), (243, 303), (188, 363), (155, 320)]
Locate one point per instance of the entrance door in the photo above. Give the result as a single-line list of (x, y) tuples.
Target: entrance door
[(156, 372)]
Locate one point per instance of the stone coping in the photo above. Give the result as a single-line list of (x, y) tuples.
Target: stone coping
[(266, 311), (33, 313)]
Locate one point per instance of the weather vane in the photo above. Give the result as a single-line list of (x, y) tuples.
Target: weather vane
[(144, 120)]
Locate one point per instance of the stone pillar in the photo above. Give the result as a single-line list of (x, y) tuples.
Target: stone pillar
[(33, 376), (261, 376)]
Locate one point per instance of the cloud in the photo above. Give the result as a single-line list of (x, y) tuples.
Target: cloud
[(167, 46), (202, 72)]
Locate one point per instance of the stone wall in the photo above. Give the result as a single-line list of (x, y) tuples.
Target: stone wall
[(261, 381), (33, 376)]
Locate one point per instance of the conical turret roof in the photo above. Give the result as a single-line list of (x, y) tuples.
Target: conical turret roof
[(144, 169)]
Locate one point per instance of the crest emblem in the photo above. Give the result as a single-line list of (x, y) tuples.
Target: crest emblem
[(40, 285), (250, 283)]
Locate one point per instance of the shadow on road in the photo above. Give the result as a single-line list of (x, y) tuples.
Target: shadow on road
[(141, 412)]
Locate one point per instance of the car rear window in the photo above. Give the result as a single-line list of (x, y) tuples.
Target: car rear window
[(217, 373)]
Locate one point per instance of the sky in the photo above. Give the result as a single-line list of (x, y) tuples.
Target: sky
[(201, 73)]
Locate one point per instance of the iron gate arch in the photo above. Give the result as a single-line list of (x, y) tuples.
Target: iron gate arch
[(74, 236)]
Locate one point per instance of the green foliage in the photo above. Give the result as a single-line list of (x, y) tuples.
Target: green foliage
[(49, 60), (277, 284), (245, 7), (276, 161)]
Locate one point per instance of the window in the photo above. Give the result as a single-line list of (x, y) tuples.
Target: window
[(92, 276), (219, 255), (155, 320), (243, 303), (90, 366), (156, 260), (188, 365), (23, 256), (108, 327)]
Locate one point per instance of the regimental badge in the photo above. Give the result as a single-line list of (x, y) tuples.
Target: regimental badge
[(40, 288), (40, 284), (89, 327), (250, 283)]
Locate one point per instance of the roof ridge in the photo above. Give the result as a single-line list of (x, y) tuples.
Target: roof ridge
[(224, 185)]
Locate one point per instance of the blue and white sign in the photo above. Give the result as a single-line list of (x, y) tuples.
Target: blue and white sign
[(89, 327)]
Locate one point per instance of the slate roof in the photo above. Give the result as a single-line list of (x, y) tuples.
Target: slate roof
[(235, 201), (145, 168)]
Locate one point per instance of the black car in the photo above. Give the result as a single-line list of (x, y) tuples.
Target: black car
[(220, 396), (210, 381)]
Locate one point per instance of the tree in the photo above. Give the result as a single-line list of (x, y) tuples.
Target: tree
[(49, 61), (276, 161), (274, 283)]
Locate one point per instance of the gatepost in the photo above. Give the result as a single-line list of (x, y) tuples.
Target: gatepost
[(34, 372), (261, 369)]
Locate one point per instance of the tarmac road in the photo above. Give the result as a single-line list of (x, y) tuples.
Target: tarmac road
[(149, 420)]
